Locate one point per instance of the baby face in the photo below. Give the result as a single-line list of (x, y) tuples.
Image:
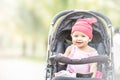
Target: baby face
[(80, 39)]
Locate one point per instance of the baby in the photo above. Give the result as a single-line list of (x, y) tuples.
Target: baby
[(81, 34)]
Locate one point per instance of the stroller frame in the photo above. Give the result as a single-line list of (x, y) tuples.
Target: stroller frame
[(50, 63)]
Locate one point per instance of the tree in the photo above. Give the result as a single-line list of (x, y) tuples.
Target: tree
[(29, 24)]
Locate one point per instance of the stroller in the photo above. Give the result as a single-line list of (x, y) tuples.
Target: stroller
[(59, 38)]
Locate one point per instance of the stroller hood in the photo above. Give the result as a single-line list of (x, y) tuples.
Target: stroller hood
[(63, 30)]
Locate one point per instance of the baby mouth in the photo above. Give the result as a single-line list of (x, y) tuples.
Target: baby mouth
[(79, 42)]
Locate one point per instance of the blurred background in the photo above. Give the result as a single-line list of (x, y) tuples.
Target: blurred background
[(24, 27)]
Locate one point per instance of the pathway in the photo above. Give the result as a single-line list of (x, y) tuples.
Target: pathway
[(21, 69)]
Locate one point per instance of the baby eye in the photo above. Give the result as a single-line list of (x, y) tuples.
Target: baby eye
[(75, 35), (83, 36)]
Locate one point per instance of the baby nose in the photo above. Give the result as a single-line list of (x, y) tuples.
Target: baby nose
[(79, 38)]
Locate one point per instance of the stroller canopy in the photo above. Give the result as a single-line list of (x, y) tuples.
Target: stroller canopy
[(100, 39)]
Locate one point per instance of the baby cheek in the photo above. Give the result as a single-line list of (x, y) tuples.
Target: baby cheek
[(73, 39)]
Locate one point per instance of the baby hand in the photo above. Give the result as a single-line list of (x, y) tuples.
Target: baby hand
[(60, 54)]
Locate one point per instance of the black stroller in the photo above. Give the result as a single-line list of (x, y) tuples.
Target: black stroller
[(59, 38)]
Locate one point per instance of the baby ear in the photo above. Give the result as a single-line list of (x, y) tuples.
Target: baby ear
[(90, 40)]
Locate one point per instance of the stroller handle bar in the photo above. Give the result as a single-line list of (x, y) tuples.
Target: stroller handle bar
[(100, 58), (62, 13)]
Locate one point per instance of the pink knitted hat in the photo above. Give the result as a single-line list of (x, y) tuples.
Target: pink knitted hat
[(84, 26)]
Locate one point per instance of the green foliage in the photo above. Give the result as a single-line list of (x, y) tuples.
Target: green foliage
[(29, 20), (34, 16)]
